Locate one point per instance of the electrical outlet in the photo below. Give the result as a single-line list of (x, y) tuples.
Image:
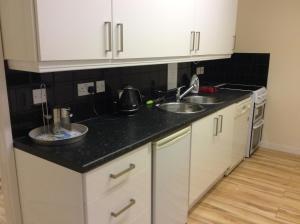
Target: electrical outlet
[(200, 70), (100, 86), (82, 88), (39, 96)]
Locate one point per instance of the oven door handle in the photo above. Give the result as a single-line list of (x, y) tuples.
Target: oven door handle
[(261, 104), (258, 125), (263, 96)]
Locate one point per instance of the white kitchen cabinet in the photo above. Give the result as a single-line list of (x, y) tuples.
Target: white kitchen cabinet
[(116, 192), (215, 23), (156, 28), (144, 30), (45, 36), (73, 30), (210, 151)]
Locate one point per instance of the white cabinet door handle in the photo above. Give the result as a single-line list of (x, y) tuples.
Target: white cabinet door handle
[(193, 34), (120, 30), (220, 128), (198, 41), (108, 42), (216, 125), (234, 42)]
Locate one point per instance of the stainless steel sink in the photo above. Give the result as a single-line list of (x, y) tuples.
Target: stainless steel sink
[(181, 107), (203, 100)]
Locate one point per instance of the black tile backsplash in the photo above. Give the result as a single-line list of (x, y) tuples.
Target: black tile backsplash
[(215, 71), (62, 86), (184, 74), (249, 69), (242, 68), (62, 91)]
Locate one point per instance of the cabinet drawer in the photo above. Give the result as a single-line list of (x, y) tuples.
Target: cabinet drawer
[(130, 203), (117, 174)]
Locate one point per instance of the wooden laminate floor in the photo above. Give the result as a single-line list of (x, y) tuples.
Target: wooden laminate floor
[(264, 189)]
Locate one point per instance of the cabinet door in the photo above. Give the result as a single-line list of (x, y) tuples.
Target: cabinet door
[(227, 12), (225, 139), (73, 30), (157, 28), (215, 20), (203, 167), (211, 150)]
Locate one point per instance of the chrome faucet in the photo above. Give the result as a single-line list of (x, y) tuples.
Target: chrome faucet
[(178, 98), (194, 87)]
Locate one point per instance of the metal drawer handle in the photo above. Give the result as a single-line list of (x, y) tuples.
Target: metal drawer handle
[(115, 176), (116, 214)]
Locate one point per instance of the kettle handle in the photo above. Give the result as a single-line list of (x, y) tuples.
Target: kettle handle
[(140, 95)]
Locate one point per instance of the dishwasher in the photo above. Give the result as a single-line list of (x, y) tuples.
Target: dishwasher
[(171, 166), (242, 130)]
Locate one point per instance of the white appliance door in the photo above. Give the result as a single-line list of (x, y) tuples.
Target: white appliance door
[(259, 111), (171, 178), (241, 134), (256, 136)]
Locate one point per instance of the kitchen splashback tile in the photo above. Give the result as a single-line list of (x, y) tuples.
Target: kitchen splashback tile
[(62, 86), (62, 91), (243, 68)]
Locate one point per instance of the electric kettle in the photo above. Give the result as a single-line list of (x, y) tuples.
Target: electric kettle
[(130, 100)]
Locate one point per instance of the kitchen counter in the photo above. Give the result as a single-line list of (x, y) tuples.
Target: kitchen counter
[(112, 136)]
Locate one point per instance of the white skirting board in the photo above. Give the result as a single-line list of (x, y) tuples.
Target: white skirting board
[(279, 147)]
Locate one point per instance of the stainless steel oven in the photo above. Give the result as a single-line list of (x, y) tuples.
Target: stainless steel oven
[(257, 131), (259, 111)]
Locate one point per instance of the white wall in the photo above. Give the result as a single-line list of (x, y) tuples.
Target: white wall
[(274, 26), (7, 159)]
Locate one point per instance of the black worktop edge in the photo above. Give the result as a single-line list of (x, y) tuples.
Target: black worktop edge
[(122, 151)]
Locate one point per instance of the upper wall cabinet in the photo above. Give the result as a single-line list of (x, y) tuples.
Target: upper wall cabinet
[(140, 29), (152, 28), (73, 30), (56, 35), (215, 22)]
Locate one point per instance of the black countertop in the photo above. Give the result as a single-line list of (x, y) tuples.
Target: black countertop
[(112, 136)]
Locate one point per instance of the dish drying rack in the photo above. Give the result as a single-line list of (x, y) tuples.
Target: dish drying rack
[(61, 131)]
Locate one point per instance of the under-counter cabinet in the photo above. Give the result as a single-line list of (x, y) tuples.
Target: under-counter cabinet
[(117, 192), (211, 148), (57, 35)]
